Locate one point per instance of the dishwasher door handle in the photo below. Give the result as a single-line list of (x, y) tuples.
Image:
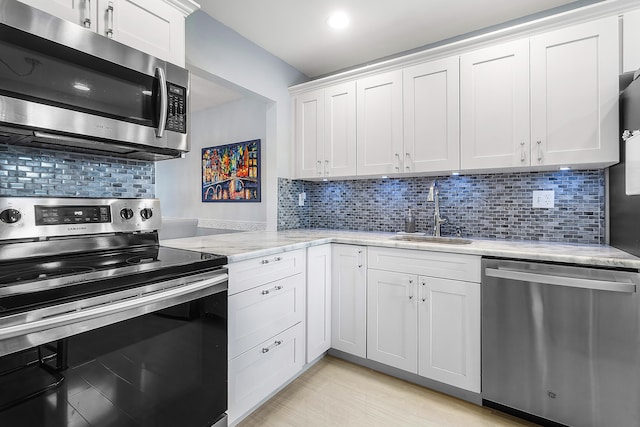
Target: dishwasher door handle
[(571, 282)]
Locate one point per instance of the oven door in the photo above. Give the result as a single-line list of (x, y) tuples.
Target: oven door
[(164, 366), (59, 79)]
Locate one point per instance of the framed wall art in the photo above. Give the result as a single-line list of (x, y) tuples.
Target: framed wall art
[(231, 173)]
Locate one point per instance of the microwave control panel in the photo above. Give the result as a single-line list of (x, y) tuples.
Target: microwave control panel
[(177, 111)]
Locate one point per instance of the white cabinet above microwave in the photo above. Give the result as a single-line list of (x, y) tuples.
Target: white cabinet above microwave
[(152, 26)]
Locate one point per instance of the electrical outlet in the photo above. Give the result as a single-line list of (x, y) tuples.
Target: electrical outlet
[(301, 198), (543, 199)]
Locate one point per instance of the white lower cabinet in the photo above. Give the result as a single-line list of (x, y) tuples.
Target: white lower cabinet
[(449, 332), (318, 301), (420, 320), (349, 299), (262, 312), (266, 327), (257, 373), (392, 326)]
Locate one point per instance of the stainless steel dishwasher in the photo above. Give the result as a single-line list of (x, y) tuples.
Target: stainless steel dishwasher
[(561, 342)]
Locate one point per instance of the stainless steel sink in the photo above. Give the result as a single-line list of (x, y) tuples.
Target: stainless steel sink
[(431, 239)]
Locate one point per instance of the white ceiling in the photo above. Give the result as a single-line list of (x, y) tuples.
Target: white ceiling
[(296, 30)]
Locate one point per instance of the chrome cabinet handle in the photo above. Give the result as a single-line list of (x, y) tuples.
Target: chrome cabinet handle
[(87, 16), (164, 102), (110, 20), (326, 167), (408, 158), (268, 291), (522, 155), (410, 289), (319, 167), (359, 259), (398, 161), (272, 346), (539, 142), (570, 282), (266, 261), (424, 291)]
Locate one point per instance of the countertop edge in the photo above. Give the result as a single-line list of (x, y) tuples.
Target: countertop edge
[(299, 239)]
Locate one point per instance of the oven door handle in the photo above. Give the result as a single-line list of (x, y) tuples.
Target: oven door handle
[(196, 287)]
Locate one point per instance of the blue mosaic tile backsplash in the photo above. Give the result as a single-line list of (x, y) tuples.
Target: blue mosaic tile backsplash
[(483, 206), (28, 171)]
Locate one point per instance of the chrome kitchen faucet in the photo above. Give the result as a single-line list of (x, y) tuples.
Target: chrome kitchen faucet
[(438, 220)]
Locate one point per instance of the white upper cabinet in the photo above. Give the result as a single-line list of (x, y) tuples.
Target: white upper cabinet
[(571, 75), (340, 130), (431, 116), (574, 95), (630, 38), (494, 107), (152, 26), (309, 122), (325, 129), (81, 12), (379, 124)]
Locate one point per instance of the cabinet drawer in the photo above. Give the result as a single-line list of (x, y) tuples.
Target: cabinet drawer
[(425, 263), (255, 272), (257, 373), (262, 312)]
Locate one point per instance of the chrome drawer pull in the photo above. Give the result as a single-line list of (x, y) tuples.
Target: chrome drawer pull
[(275, 344), (266, 261), (268, 291)]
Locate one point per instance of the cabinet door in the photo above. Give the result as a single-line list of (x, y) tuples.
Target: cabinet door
[(449, 325), (152, 26), (81, 12), (349, 299), (379, 117), (494, 107), (318, 301), (630, 37), (260, 371), (309, 118), (340, 130), (574, 94), (431, 116), (392, 319)]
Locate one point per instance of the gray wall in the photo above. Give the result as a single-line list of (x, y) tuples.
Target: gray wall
[(488, 205), (220, 51), (179, 181)]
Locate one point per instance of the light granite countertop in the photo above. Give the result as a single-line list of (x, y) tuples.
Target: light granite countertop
[(241, 246)]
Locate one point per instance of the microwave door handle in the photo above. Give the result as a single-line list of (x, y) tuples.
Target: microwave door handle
[(164, 104)]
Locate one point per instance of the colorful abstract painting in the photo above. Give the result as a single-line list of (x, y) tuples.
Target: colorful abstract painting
[(231, 173)]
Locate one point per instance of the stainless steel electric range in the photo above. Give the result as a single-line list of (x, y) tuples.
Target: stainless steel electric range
[(100, 325)]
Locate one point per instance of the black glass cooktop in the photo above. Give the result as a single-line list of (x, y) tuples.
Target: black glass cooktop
[(36, 282)]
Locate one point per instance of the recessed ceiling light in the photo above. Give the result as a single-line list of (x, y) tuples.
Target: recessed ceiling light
[(338, 20), (81, 86)]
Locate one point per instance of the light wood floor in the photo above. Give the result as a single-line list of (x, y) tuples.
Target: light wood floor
[(338, 393)]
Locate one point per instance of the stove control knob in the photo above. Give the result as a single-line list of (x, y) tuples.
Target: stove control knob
[(10, 216), (126, 213), (146, 213)]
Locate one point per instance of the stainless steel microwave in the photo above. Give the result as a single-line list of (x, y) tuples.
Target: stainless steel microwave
[(64, 86)]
